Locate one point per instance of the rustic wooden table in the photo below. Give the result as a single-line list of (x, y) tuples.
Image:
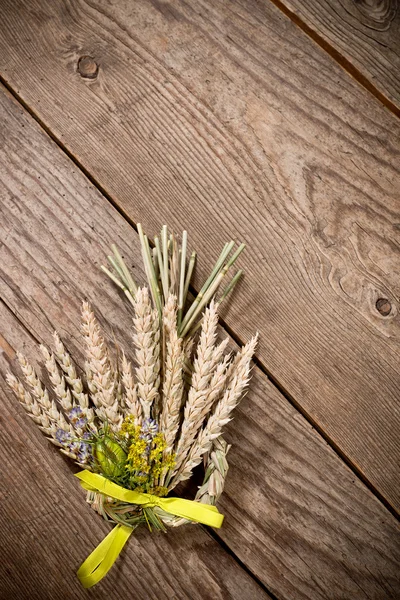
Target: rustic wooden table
[(271, 122)]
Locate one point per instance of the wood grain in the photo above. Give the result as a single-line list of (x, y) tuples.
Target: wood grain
[(224, 118), (366, 33), (296, 516)]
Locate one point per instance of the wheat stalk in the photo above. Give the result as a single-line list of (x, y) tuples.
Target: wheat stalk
[(147, 341), (174, 262), (221, 415), (167, 272)]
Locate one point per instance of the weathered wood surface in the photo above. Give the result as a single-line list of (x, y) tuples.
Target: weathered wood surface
[(224, 118), (366, 33), (296, 516), (47, 529)]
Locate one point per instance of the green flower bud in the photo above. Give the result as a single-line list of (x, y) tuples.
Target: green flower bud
[(110, 457)]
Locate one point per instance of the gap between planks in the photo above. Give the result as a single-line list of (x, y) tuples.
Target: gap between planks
[(281, 388), (338, 57)]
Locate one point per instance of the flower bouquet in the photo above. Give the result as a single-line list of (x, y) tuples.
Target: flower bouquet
[(138, 430)]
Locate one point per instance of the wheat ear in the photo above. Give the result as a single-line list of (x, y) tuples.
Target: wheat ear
[(33, 409), (216, 466), (63, 393), (221, 415), (173, 380), (30, 404), (202, 410), (188, 345), (146, 338), (199, 390), (53, 419), (219, 352), (131, 398), (99, 372), (70, 374)]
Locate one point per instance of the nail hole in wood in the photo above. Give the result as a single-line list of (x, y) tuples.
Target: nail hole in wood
[(87, 67), (383, 306)]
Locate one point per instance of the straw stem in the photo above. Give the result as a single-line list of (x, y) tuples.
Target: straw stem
[(160, 258), (118, 269), (119, 284), (217, 268), (202, 301), (128, 277), (149, 266), (189, 274), (182, 277), (164, 238), (231, 285)]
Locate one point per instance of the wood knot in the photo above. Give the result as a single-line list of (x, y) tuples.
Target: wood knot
[(87, 67), (377, 14), (383, 306)]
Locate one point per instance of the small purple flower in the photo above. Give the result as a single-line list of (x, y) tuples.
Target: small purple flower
[(62, 436), (149, 429), (77, 417), (85, 453), (74, 446), (75, 413), (81, 422)]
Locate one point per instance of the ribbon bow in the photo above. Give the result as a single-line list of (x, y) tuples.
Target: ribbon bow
[(100, 561)]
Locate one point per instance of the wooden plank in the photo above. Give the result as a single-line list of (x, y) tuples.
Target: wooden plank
[(47, 529), (365, 34), (224, 118), (295, 514)]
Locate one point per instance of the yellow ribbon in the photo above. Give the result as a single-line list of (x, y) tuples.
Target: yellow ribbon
[(100, 561)]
